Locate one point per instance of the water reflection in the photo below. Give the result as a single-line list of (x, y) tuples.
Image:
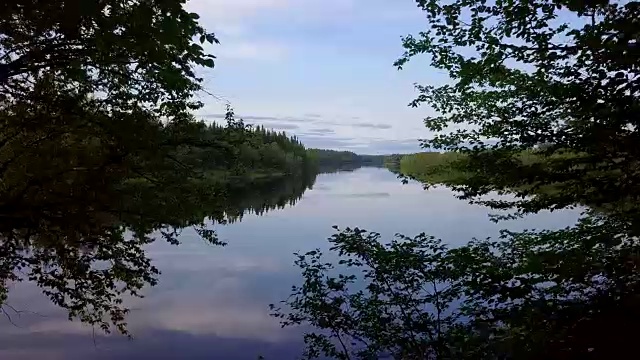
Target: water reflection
[(211, 302), (329, 169), (266, 195)]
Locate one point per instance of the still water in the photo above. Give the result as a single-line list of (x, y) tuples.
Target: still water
[(212, 302)]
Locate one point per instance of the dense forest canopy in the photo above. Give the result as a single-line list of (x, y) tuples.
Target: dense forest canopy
[(239, 149), (99, 148)]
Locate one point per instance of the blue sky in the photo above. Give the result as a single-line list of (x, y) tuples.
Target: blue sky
[(320, 69)]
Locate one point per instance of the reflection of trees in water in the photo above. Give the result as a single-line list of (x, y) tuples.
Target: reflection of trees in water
[(266, 195), (330, 169), (88, 275), (228, 202)]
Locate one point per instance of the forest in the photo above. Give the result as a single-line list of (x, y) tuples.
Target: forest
[(101, 155), (336, 158), (238, 150), (455, 168), (432, 167), (331, 160)]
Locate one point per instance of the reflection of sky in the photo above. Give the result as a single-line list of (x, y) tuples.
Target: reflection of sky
[(212, 302)]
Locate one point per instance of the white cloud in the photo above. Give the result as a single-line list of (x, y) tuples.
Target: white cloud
[(209, 317), (231, 21), (220, 15), (271, 34), (258, 50), (231, 10)]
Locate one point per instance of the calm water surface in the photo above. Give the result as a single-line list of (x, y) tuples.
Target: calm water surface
[(212, 302)]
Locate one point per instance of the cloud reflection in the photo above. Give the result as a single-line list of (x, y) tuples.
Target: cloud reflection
[(211, 302), (364, 195), (202, 292)]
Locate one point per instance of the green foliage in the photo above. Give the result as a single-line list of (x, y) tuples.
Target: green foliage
[(99, 148), (525, 74), (379, 304), (392, 162), (433, 168), (544, 106), (88, 96), (140, 50), (239, 150), (454, 169), (530, 295)]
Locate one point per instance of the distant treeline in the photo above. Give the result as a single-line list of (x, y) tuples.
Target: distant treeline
[(232, 150), (450, 168), (339, 160), (430, 167), (213, 171)]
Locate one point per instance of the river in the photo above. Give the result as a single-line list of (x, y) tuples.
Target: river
[(212, 302)]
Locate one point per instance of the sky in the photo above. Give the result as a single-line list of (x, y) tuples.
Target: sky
[(320, 69)]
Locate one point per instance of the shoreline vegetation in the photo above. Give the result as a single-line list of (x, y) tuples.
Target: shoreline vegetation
[(100, 151), (327, 160), (452, 169), (542, 102)]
